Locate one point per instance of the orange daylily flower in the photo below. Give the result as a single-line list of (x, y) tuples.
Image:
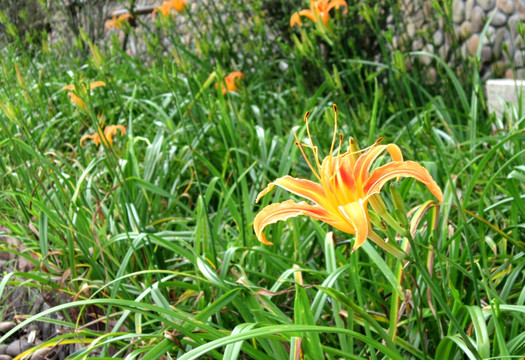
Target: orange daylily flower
[(166, 7), (92, 85), (75, 99), (107, 138), (118, 22), (346, 186), (231, 82), (319, 9)]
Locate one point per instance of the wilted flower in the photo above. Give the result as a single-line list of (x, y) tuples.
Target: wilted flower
[(118, 22), (166, 7), (345, 187), (231, 81), (107, 135), (319, 9)]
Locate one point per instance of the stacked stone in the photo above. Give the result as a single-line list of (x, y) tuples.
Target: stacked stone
[(501, 50)]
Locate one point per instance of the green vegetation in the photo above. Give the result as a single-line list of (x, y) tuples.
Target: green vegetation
[(151, 240)]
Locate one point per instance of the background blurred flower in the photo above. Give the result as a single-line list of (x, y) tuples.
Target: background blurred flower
[(118, 22), (231, 80), (109, 132), (319, 9), (166, 7)]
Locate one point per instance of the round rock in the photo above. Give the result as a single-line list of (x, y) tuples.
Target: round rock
[(507, 6), (509, 74), (469, 5), (458, 11), (499, 19), (5, 357), (519, 58), (427, 59), (17, 347), (6, 326), (487, 4), (477, 19), (3, 349), (513, 22), (501, 35), (520, 74), (438, 38), (41, 353), (465, 30), (520, 8), (473, 44), (486, 54)]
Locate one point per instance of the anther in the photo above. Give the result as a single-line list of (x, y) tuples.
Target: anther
[(306, 115), (335, 108)]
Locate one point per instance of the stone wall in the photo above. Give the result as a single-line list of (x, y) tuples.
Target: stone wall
[(502, 49)]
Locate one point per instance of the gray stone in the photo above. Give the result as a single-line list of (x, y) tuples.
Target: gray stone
[(509, 73), (431, 76), (3, 349), (473, 44), (501, 35), (465, 30), (499, 19), (425, 59), (417, 44), (507, 6), (469, 5), (500, 92), (428, 9), (477, 19), (520, 8), (507, 50), (487, 4), (6, 326), (520, 74), (489, 35), (438, 38), (519, 58), (498, 68), (17, 347), (5, 357), (411, 29), (464, 50), (458, 11), (486, 54), (41, 353), (444, 51), (513, 22)]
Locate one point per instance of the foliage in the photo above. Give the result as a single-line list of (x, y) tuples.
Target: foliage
[(154, 234)]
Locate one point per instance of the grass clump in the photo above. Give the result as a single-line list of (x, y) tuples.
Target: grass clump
[(143, 241)]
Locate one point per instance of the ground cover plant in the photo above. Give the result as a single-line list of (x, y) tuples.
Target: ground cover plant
[(134, 166)]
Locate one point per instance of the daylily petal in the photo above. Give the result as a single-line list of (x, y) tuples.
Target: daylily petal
[(295, 19), (286, 210), (397, 169), (339, 3), (95, 84), (308, 13), (365, 161), (78, 101), (301, 187), (356, 213), (93, 137)]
